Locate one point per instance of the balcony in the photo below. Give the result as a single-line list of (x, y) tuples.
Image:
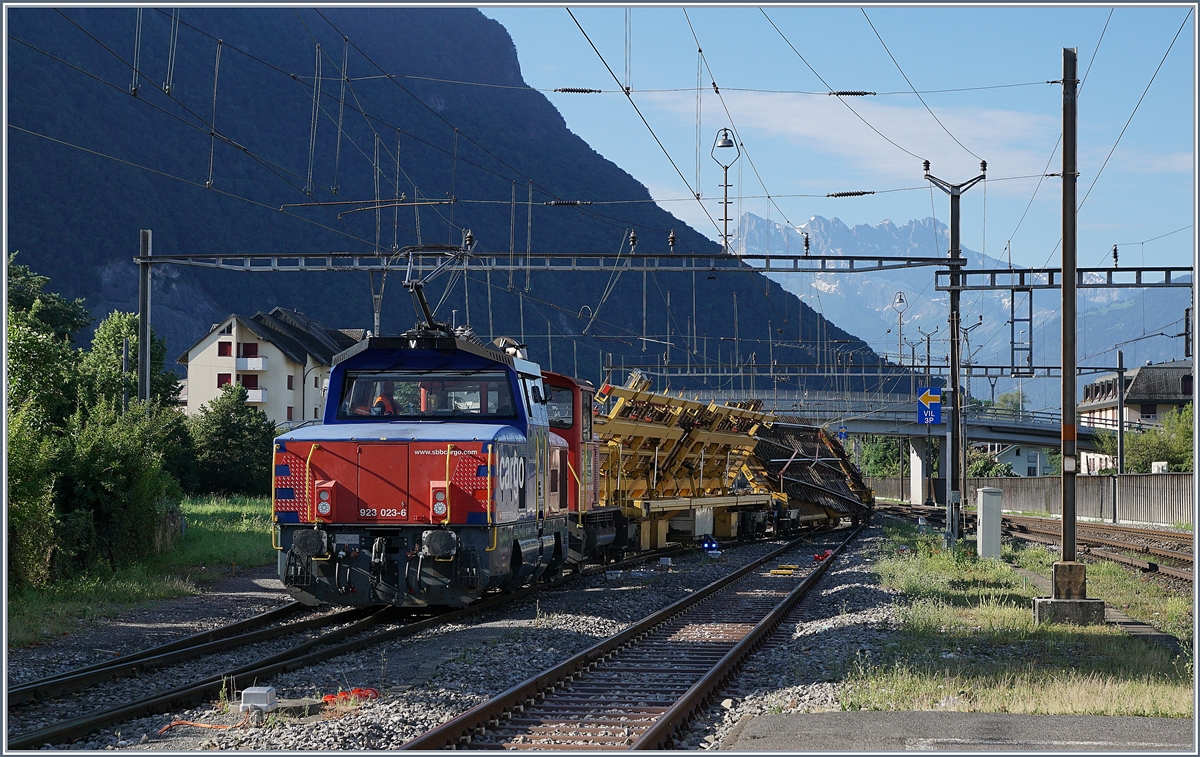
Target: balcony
[(256, 395), (250, 364)]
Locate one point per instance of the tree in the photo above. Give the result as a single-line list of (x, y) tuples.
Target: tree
[(234, 443), (1171, 441), (101, 376), (53, 313), (1013, 402), (42, 370), (982, 465), (882, 457)]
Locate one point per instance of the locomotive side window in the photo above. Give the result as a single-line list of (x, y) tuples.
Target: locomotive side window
[(586, 417), (561, 408), (459, 395)]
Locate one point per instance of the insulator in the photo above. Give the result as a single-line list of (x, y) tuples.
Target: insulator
[(579, 90), (849, 194), (567, 202), (851, 93)]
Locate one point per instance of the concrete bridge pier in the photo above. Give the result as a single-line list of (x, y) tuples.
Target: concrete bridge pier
[(920, 484)]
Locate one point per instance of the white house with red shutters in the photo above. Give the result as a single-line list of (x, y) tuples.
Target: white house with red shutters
[(282, 358)]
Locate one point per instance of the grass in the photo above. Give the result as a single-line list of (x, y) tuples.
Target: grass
[(222, 532), (969, 643), (1132, 593)]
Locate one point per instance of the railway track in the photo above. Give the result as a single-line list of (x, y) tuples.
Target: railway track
[(355, 631), (1092, 538), (636, 689)]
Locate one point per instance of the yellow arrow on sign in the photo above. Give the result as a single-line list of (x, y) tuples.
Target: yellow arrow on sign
[(929, 398)]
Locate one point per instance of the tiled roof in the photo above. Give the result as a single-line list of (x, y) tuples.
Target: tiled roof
[(294, 334)]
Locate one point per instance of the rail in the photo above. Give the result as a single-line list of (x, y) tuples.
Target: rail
[(577, 671)]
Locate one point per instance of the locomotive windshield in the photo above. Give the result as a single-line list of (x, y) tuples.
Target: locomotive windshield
[(561, 408), (440, 395)]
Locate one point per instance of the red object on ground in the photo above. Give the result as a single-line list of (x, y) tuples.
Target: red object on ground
[(355, 693)]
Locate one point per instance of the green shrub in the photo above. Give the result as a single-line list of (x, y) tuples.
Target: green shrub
[(113, 495), (233, 444), (31, 518)]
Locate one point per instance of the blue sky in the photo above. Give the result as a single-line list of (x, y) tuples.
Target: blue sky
[(812, 144)]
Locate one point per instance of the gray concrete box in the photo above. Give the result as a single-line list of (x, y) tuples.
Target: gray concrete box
[(987, 536), (260, 698)]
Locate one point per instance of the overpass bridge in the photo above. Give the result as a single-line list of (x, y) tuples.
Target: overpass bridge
[(896, 415)]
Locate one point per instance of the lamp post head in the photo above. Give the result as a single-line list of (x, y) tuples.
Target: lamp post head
[(900, 303), (725, 141)]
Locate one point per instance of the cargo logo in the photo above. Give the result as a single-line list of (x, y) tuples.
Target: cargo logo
[(510, 481)]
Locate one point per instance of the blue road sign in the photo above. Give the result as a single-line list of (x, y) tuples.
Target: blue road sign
[(842, 433), (929, 404)]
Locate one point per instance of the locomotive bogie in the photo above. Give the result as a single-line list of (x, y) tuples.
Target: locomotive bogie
[(415, 566)]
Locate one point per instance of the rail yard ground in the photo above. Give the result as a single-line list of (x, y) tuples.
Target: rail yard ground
[(898, 625), (224, 535)]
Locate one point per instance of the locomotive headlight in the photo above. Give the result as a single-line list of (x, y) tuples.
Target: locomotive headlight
[(323, 507), (439, 508), (440, 496), (324, 496)]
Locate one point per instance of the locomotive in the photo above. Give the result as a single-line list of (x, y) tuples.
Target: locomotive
[(446, 468), (434, 478)]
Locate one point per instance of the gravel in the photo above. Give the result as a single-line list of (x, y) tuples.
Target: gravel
[(847, 617), (428, 678)]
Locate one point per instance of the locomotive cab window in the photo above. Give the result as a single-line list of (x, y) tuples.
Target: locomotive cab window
[(435, 395), (561, 407), (586, 416)]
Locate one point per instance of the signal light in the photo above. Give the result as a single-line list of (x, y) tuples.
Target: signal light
[(323, 506)]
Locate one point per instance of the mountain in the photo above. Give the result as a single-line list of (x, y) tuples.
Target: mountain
[(237, 158), (862, 303)]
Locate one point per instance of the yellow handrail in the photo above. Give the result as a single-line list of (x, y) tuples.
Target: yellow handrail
[(488, 505), (578, 502)]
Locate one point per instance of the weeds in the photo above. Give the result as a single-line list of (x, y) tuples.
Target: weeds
[(969, 643), (220, 531)]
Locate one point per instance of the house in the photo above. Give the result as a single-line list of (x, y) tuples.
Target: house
[(1149, 391), (1026, 460), (282, 358)]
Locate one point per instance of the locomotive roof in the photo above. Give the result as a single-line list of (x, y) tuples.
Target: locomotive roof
[(405, 431)]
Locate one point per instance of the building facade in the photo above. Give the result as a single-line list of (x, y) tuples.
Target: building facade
[(282, 358), (1147, 391)]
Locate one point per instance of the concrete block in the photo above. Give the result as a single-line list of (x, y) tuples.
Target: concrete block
[(1079, 612), (1069, 580)]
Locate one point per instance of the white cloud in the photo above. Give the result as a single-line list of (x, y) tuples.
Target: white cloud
[(1014, 143), (1142, 161)]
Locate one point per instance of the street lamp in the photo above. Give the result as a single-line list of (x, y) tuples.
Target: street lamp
[(900, 305), (724, 141)]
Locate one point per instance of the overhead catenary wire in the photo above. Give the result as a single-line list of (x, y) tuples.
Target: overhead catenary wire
[(629, 97), (914, 89), (169, 82), (200, 124), (1135, 108), (840, 99), (213, 121)]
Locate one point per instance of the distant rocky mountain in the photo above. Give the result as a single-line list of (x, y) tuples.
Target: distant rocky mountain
[(90, 163), (861, 303)]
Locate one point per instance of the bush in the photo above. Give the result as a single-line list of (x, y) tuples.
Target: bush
[(42, 370), (31, 518), (113, 495), (234, 443)]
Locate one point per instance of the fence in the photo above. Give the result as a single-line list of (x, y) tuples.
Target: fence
[(1160, 498)]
